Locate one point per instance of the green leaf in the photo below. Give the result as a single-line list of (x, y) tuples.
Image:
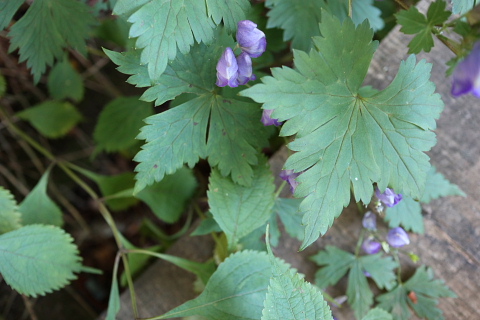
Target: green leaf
[(321, 104), (53, 119), (235, 291), (9, 214), (3, 86), (46, 29), (427, 290), (377, 314), (298, 19), (289, 296), (414, 22), (437, 186), (7, 10), (34, 251), (365, 9), (462, 6), (381, 270), (163, 26), (408, 214), (37, 207), (114, 302), (336, 264), (219, 126), (291, 217), (127, 111), (65, 82), (360, 297), (168, 198), (237, 209)]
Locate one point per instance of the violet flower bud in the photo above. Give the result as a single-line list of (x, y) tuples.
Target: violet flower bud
[(466, 77), (370, 246), (244, 63), (369, 221), (397, 237), (251, 39), (227, 69), (289, 176), (267, 119), (389, 197)]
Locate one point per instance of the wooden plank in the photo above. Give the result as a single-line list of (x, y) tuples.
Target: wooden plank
[(450, 244)]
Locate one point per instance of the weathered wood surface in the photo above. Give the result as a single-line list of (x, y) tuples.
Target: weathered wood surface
[(451, 242)]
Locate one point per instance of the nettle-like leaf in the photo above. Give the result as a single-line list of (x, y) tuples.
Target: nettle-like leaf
[(7, 10), (289, 296), (163, 26), (414, 22), (127, 111), (377, 314), (235, 291), (214, 124), (426, 289), (168, 198), (46, 29), (65, 82), (408, 214), (463, 6), (53, 119), (348, 137), (34, 251), (37, 207), (240, 210), (10, 218), (438, 186), (336, 263)]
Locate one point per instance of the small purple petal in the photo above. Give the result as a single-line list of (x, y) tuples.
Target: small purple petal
[(367, 274), (369, 221), (244, 68), (251, 39), (466, 77), (289, 176), (371, 246), (389, 197), (227, 69), (267, 118), (397, 237)]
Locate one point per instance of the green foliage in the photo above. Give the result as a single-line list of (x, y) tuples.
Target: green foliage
[(414, 22), (10, 218), (7, 10), (46, 29), (163, 26), (463, 6), (289, 296), (37, 207), (337, 263), (291, 217), (120, 122), (237, 209), (65, 82), (427, 291), (53, 119), (365, 9), (114, 297), (3, 85), (408, 214), (235, 291), (44, 259), (216, 125), (344, 139), (377, 314), (437, 186), (168, 198)]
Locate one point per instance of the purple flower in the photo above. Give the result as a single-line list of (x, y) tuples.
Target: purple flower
[(389, 197), (370, 246), (289, 176), (244, 63), (251, 39), (227, 69), (466, 77), (369, 221), (267, 119), (397, 237)]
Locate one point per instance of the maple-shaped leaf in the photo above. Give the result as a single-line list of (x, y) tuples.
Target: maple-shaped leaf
[(347, 137), (163, 26), (438, 186), (46, 29), (408, 214), (420, 293), (210, 123)]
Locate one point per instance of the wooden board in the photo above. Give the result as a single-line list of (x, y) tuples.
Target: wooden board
[(451, 242)]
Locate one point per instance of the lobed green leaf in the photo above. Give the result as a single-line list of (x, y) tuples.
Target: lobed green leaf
[(10, 218), (65, 82)]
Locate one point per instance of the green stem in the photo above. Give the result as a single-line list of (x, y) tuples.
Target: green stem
[(397, 260), (359, 242), (350, 8)]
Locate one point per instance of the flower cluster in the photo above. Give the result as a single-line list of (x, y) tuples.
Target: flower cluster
[(234, 71), (389, 197), (466, 77)]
